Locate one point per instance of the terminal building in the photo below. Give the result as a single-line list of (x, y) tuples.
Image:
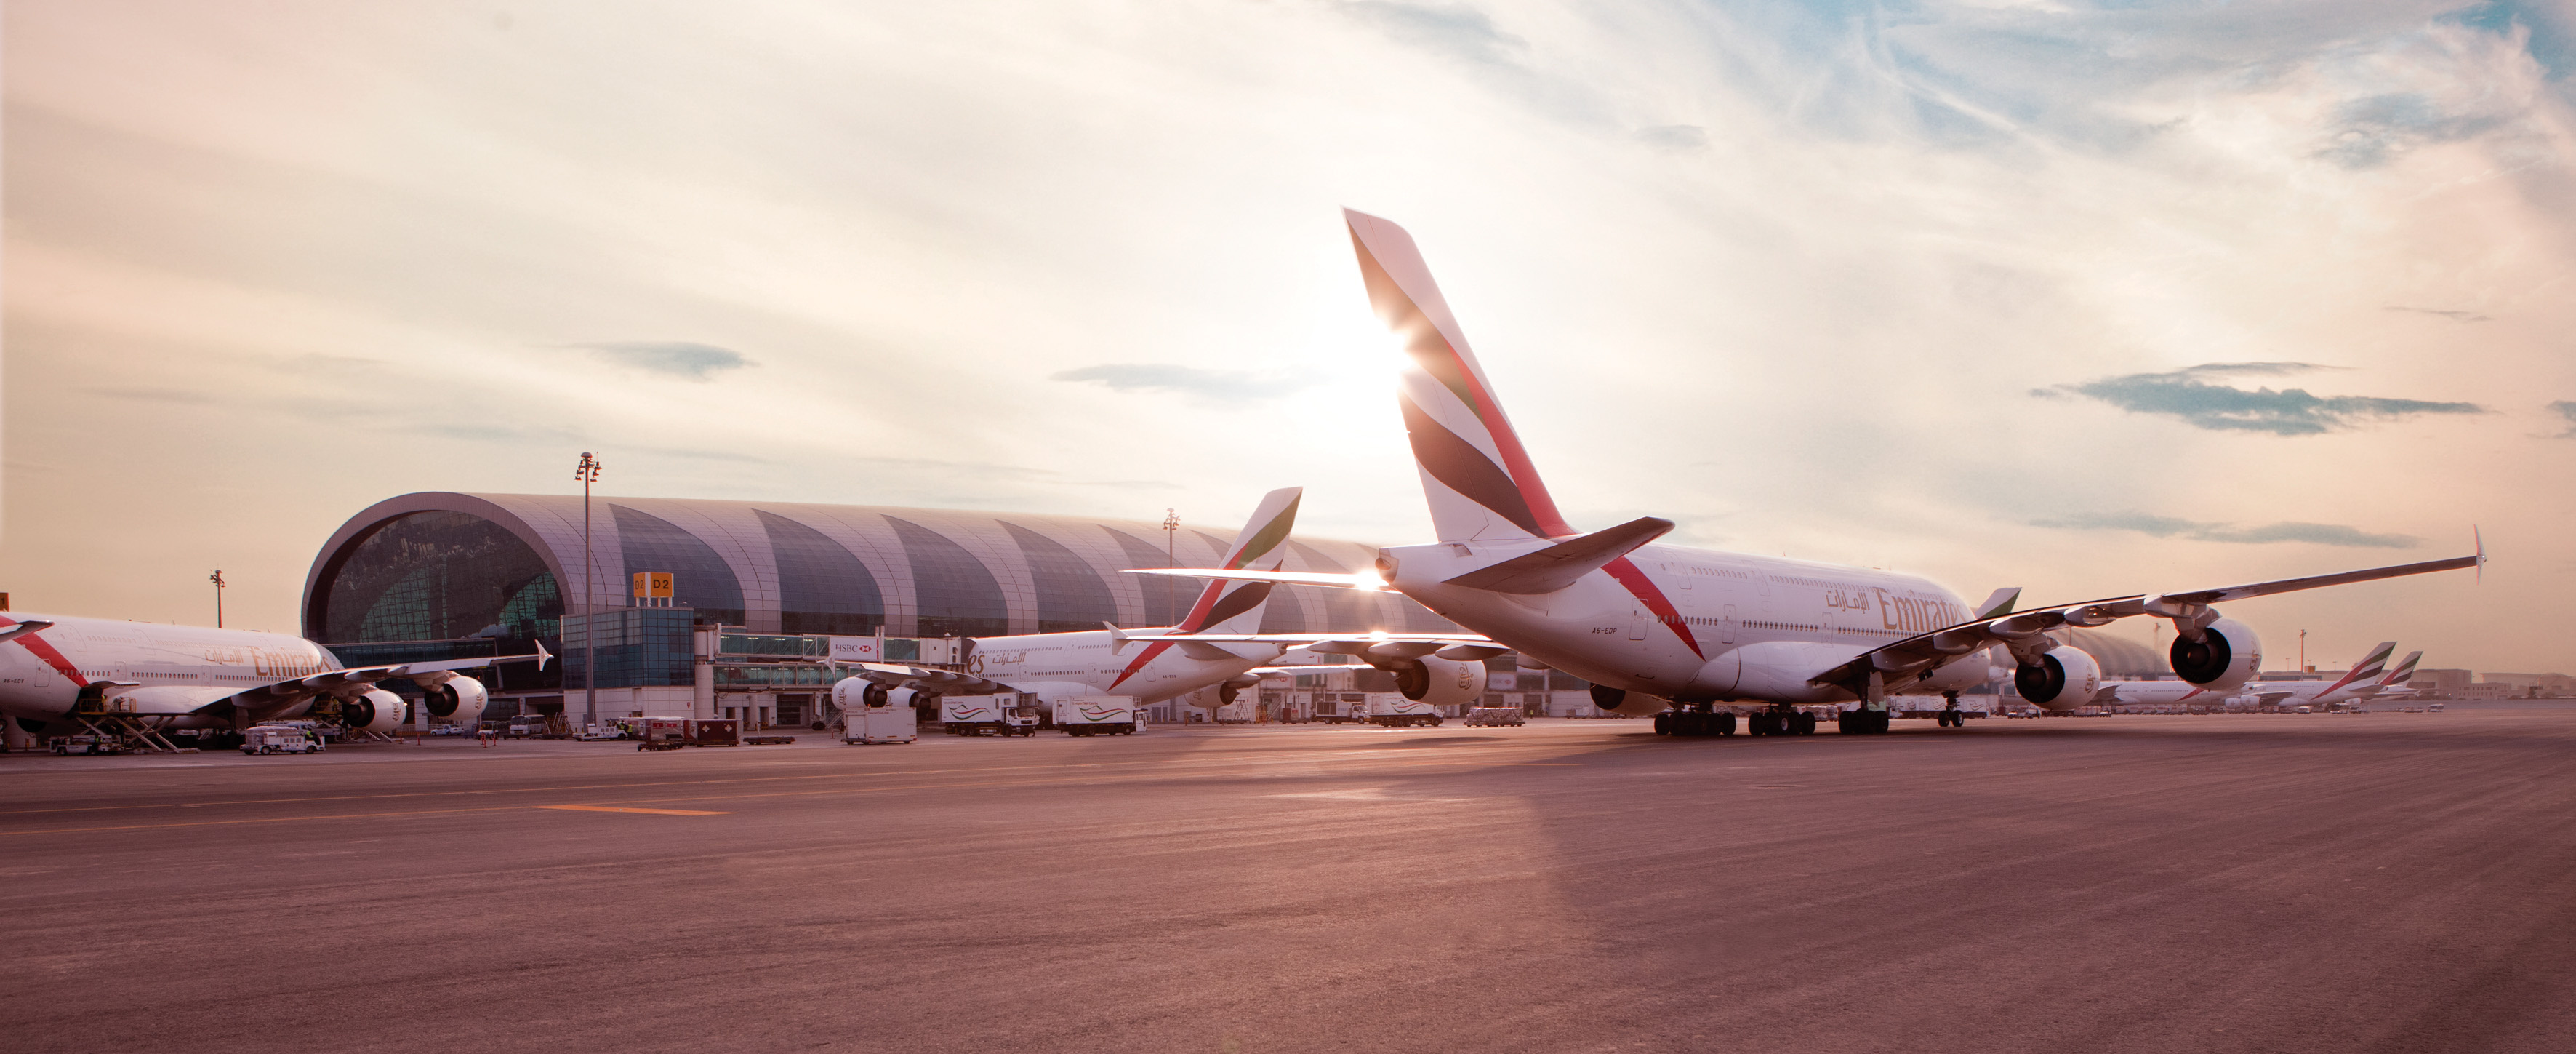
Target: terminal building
[(761, 592)]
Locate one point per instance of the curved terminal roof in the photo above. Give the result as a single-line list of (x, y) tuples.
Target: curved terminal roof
[(440, 565), (2118, 656)]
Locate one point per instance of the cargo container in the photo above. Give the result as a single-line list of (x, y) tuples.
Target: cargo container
[(1494, 716)]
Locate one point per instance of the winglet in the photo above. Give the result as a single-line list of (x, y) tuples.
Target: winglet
[(1999, 602), (1117, 637), (2480, 537), (542, 655)]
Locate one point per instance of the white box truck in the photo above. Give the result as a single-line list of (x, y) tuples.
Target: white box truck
[(1096, 715), (999, 714), (1395, 711), (880, 724)]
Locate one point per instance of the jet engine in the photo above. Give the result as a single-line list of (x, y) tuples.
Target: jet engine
[(2060, 679), (1441, 682), (458, 699), (2225, 657), (856, 693), (376, 711), (1227, 691)]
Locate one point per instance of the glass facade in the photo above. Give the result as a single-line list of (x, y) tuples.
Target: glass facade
[(443, 585), (1071, 595), (822, 588), (953, 593), (1162, 603), (700, 578), (435, 575), (638, 648)]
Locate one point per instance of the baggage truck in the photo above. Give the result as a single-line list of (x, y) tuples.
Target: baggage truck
[(999, 714), (279, 739), (1395, 711), (1095, 715), (880, 724)]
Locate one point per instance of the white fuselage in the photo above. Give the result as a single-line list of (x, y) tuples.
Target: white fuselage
[(1056, 665), (42, 673), (1674, 622)]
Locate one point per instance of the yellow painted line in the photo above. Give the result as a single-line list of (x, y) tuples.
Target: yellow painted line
[(613, 808)]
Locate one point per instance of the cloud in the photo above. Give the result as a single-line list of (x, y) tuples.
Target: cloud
[(2369, 132), (1189, 380), (2455, 316), (2285, 531), (2291, 411), (1686, 138), (2567, 410), (1457, 31), (679, 358), (156, 395)]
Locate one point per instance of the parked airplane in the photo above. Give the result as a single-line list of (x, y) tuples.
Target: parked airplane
[(1218, 643), (64, 669), (2394, 685), (1652, 624), (2355, 685)]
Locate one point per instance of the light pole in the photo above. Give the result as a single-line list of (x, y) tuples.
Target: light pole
[(218, 579), (1172, 558), (588, 473)]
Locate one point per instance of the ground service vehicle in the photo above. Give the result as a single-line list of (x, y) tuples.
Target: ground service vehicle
[(1094, 715), (998, 714), (1494, 716), (880, 724), (1341, 708), (1393, 710), (86, 743), (279, 739)]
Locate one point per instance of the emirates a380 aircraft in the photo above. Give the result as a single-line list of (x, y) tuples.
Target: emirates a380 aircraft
[(2356, 684), (55, 669), (1653, 626), (1218, 643)]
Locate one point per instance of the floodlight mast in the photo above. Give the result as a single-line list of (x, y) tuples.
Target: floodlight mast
[(588, 473)]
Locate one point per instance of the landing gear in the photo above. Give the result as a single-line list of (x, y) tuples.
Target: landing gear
[(1695, 723), (1951, 716), (1781, 721)]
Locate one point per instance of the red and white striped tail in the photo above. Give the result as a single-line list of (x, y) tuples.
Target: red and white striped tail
[(1475, 474)]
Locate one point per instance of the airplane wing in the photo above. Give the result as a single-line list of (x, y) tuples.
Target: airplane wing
[(926, 679), (1926, 651), (270, 697), (1460, 647)]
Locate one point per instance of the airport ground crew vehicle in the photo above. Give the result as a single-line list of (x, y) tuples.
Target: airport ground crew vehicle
[(1095, 715), (998, 714)]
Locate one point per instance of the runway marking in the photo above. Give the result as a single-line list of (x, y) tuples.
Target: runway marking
[(619, 808)]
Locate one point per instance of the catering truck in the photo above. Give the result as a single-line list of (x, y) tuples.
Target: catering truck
[(998, 714), (1095, 715), (880, 724), (1393, 710)]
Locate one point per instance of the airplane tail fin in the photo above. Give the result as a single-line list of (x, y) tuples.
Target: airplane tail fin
[(2370, 666), (1477, 477), (1234, 605), (2404, 672)]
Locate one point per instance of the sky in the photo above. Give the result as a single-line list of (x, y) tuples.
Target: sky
[(2087, 298)]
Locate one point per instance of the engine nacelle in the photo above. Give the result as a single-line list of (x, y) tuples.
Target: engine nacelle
[(2061, 679), (857, 693), (2227, 655), (1441, 682), (376, 711), (458, 699)]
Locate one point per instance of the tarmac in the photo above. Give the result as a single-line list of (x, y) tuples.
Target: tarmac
[(2378, 882)]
